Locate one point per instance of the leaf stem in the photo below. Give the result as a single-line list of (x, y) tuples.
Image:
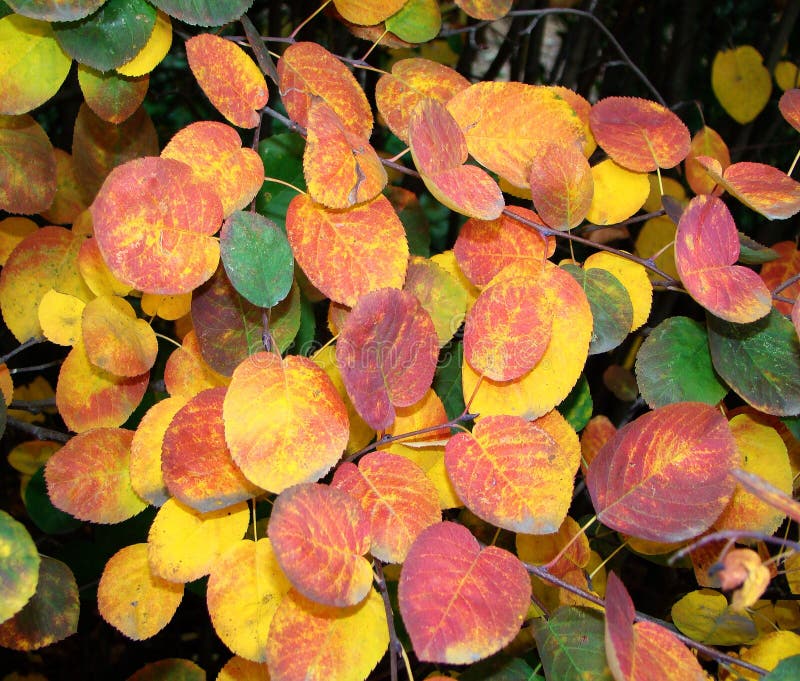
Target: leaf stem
[(794, 163), (168, 339), (786, 284), (294, 33), (572, 540), (267, 178)]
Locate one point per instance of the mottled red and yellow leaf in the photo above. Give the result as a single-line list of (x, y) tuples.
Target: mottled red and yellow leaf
[(706, 142), (27, 165), (774, 273), (789, 105), (439, 293), (187, 373), (111, 96), (561, 185)]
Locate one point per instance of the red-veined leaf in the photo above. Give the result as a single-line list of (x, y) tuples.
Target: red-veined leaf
[(561, 185)]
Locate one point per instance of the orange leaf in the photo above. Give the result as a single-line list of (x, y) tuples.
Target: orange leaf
[(387, 352), (215, 154), (134, 600), (153, 220), (706, 248), (115, 340), (68, 202), (187, 373), (597, 432), (777, 271), (398, 500), (508, 328), (742, 570), (320, 535), (442, 596), (439, 150), (323, 244), (412, 80), (706, 142), (484, 247), (27, 166), (89, 477), (512, 474), (505, 139), (195, 461), (561, 185), (88, 397), (429, 411), (307, 69), (639, 134), (635, 651), (341, 169), (789, 106), (666, 475), (569, 544), (229, 77), (300, 428)]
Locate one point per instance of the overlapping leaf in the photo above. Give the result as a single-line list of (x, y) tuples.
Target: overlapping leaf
[(439, 293), (204, 12), (89, 477), (618, 193), (639, 134), (27, 166), (398, 500), (439, 149), (512, 474), (20, 572), (323, 244), (665, 476), (485, 9), (789, 105), (417, 21), (443, 596), (153, 221), (706, 248), (154, 50), (561, 185), (55, 10), (774, 273), (386, 352), (229, 77), (215, 153), (187, 372), (706, 142), (707, 617), (505, 139), (367, 12), (111, 96), (300, 429)]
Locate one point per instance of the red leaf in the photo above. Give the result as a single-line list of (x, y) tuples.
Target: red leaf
[(789, 106), (460, 603)]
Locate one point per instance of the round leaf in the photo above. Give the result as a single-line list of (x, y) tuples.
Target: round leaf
[(204, 12), (741, 82), (20, 567), (109, 95), (561, 185), (27, 166), (55, 10)]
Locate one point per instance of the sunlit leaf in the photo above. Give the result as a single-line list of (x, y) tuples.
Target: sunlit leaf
[(769, 650), (312, 640), (439, 293), (95, 272), (306, 70), (109, 37), (561, 185), (153, 221), (187, 373), (706, 616), (32, 64), (774, 273), (367, 12), (322, 241), (442, 596), (706, 248), (27, 166), (132, 598), (706, 142), (666, 475), (639, 134), (60, 317), (245, 588), (512, 474), (20, 569), (171, 307), (386, 352), (417, 21), (741, 82), (50, 615), (759, 361), (300, 429), (674, 365), (506, 139), (183, 544), (398, 500), (484, 247), (153, 52), (241, 669), (89, 477), (412, 80), (618, 193), (439, 149), (215, 153), (320, 535)]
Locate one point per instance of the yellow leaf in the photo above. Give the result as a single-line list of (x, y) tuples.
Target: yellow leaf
[(618, 193), (447, 261), (239, 669), (672, 188), (166, 307), (184, 543), (769, 650), (657, 233), (743, 573), (431, 460), (93, 269), (32, 64), (153, 52), (741, 82), (60, 317), (633, 277), (705, 616), (12, 231), (792, 567), (787, 75)]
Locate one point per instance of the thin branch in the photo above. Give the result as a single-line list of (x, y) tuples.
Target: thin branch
[(33, 406), (786, 284), (39, 432), (37, 367), (395, 646), (22, 346)]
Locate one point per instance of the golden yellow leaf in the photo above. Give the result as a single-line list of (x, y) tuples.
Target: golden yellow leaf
[(633, 277), (655, 234), (672, 188), (706, 616), (184, 544), (787, 75), (60, 317), (239, 669), (13, 230), (769, 650), (166, 307), (618, 193), (447, 261), (153, 52), (741, 82)]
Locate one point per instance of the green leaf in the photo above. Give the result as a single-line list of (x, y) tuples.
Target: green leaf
[(282, 156), (572, 645), (577, 407), (753, 253), (5, 10), (705, 616), (788, 669), (500, 667), (611, 307), (257, 258), (417, 22), (447, 379), (51, 10), (759, 361), (110, 37), (45, 516), (793, 424), (204, 12), (674, 365), (19, 568)]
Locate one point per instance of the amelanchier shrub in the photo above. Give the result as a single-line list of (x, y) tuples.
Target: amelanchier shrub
[(399, 487)]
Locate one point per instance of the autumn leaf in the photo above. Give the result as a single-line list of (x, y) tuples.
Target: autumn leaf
[(439, 293), (27, 165), (618, 193), (707, 617), (55, 10), (20, 571), (485, 9), (789, 105), (417, 21), (561, 185), (774, 273), (229, 77), (741, 82), (706, 142), (367, 12), (154, 50), (442, 596)]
